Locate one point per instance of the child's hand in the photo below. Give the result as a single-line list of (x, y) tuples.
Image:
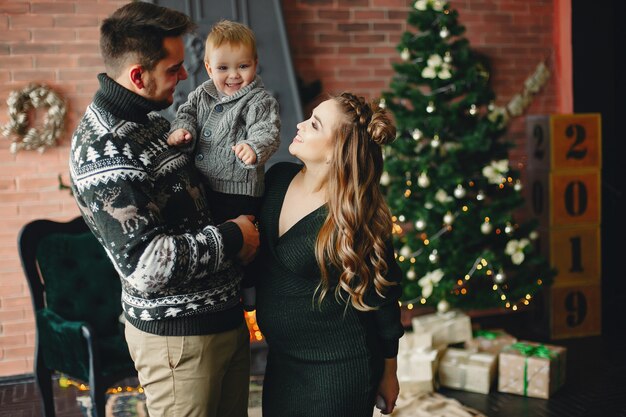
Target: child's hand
[(245, 153), (179, 137)]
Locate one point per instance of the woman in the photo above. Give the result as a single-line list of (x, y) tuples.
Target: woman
[(328, 285)]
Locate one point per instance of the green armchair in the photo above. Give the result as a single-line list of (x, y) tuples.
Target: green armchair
[(76, 298)]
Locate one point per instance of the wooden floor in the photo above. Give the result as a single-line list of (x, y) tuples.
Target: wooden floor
[(595, 387)]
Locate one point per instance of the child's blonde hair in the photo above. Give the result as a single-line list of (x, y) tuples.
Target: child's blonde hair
[(232, 33)]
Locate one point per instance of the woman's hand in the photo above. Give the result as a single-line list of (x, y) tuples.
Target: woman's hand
[(389, 387)]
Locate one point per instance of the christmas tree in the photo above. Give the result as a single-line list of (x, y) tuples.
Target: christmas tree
[(448, 181)]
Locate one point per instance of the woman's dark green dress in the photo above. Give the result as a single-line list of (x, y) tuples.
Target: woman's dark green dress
[(323, 361)]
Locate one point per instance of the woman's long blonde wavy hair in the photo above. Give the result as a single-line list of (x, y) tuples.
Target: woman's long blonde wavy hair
[(352, 238)]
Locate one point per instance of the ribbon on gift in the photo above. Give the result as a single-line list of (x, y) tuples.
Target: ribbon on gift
[(540, 351), (487, 334)]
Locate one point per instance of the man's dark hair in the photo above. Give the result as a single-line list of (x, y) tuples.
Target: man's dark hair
[(136, 31)]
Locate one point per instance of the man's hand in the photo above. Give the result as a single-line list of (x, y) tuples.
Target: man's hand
[(245, 152), (250, 238), (179, 137)]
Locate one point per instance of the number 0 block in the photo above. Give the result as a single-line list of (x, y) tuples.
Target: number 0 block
[(576, 311), (564, 141)]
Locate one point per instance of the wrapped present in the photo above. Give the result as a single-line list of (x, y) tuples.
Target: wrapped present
[(531, 369), (468, 371), (418, 364), (490, 341), (444, 328)]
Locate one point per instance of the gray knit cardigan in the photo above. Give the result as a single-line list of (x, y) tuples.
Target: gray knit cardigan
[(249, 116)]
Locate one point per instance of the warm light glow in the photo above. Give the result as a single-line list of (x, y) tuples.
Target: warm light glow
[(407, 193), (528, 296), (412, 260), (426, 242), (484, 262), (460, 282), (410, 307), (487, 219), (539, 282), (467, 277), (489, 272), (514, 308), (465, 208), (495, 287), (400, 258), (479, 266), (463, 291), (507, 305), (503, 297), (423, 301)]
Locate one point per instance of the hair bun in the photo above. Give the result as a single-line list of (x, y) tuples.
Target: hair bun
[(381, 128)]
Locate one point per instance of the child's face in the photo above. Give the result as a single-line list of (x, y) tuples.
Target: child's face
[(231, 67)]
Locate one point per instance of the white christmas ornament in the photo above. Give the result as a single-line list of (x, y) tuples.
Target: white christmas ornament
[(434, 256), (480, 196), (421, 5), (420, 225), (417, 134), (405, 251), (459, 191), (448, 218), (486, 228), (382, 103), (499, 278), (411, 274), (423, 180), (518, 185), (405, 54), (473, 110), (444, 32), (534, 235), (385, 179), (435, 142), (401, 218), (442, 197), (431, 107), (443, 306)]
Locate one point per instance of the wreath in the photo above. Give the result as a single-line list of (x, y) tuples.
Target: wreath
[(24, 136)]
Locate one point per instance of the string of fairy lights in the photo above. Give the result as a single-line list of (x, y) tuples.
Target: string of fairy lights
[(480, 265)]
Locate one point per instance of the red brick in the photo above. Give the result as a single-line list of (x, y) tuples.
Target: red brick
[(14, 367), (369, 15), (88, 34), (56, 61), (52, 8), (16, 62), (18, 352), (11, 315), (353, 27), (16, 328), (14, 35), (369, 38), (32, 49), (88, 48), (326, 14), (351, 3), (100, 9), (30, 21), (14, 8), (334, 39), (76, 21), (53, 35)]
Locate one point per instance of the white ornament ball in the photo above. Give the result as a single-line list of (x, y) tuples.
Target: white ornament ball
[(447, 57), (411, 274), (430, 108), (405, 54), (423, 180), (435, 142), (508, 229), (444, 32), (534, 235), (385, 179), (401, 218), (417, 134), (405, 251), (480, 196), (473, 110), (499, 278), (486, 228), (420, 225), (434, 256), (459, 191), (518, 185), (448, 218), (443, 306)]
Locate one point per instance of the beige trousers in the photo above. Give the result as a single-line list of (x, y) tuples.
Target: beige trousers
[(193, 376)]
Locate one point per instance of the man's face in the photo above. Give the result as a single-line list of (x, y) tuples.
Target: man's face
[(161, 82)]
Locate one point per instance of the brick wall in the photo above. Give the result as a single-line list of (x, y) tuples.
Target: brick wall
[(346, 44)]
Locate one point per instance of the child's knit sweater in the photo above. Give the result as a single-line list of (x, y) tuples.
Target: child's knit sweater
[(146, 205)]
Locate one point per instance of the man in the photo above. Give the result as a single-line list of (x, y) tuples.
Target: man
[(146, 205)]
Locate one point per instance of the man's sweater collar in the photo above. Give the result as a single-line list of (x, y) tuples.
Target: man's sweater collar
[(121, 102)]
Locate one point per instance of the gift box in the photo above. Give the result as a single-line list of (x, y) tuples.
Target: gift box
[(531, 369), (468, 371), (417, 363), (489, 341), (444, 328)]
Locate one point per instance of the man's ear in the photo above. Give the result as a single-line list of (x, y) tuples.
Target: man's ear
[(135, 73)]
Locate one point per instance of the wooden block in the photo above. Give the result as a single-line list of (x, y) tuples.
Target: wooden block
[(537, 196), (575, 141), (576, 310), (575, 253), (564, 141), (574, 198)]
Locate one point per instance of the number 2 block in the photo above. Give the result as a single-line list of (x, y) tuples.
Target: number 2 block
[(564, 141)]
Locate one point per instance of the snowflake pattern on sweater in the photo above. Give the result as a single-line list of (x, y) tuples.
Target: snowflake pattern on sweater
[(146, 205)]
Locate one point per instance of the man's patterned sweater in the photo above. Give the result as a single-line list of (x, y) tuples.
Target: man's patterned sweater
[(145, 203)]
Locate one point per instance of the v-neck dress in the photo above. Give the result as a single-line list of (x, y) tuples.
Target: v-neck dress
[(323, 360)]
